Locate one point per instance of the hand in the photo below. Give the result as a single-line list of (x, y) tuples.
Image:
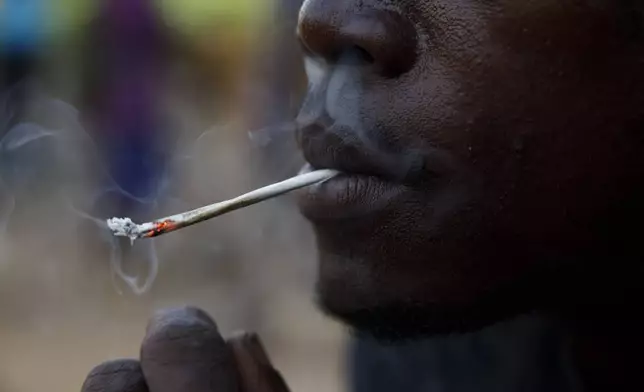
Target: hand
[(183, 352)]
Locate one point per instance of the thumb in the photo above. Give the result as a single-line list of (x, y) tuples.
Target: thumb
[(256, 373)]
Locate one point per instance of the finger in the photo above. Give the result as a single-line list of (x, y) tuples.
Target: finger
[(183, 351), (256, 373), (122, 375)]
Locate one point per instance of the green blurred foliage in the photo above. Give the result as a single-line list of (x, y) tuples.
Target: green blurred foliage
[(193, 16)]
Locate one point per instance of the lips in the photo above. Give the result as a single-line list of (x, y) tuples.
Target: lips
[(337, 147), (346, 196), (370, 181)]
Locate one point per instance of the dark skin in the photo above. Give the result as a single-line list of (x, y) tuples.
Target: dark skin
[(493, 155)]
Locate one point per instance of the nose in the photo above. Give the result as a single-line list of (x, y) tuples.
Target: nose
[(385, 40)]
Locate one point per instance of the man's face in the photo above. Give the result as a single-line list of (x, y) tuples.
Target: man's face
[(486, 145)]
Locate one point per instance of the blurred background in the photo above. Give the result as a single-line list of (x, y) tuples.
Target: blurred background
[(142, 108)]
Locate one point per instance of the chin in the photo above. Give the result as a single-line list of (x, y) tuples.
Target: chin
[(371, 303)]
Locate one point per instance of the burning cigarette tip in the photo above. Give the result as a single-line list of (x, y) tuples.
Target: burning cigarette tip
[(160, 228)]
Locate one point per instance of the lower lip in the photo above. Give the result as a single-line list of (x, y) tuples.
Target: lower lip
[(347, 196)]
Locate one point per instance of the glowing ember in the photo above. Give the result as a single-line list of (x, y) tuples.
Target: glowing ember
[(160, 228)]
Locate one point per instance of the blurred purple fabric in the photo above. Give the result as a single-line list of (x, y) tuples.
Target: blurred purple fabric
[(128, 115)]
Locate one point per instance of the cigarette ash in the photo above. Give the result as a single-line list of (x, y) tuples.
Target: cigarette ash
[(136, 265), (124, 227)]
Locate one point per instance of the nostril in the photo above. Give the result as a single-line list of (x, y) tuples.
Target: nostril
[(385, 39), (382, 39), (364, 55)]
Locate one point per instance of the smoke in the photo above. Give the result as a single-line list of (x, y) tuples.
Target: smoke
[(312, 109), (314, 104), (6, 111), (335, 98), (7, 204), (262, 137), (141, 255), (50, 147), (50, 157), (140, 280), (344, 93)]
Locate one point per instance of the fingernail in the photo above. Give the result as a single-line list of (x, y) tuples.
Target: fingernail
[(180, 316)]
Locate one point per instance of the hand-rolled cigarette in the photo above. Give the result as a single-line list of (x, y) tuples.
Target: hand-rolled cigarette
[(124, 227)]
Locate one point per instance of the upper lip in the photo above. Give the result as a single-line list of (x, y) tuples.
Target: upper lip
[(337, 147)]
